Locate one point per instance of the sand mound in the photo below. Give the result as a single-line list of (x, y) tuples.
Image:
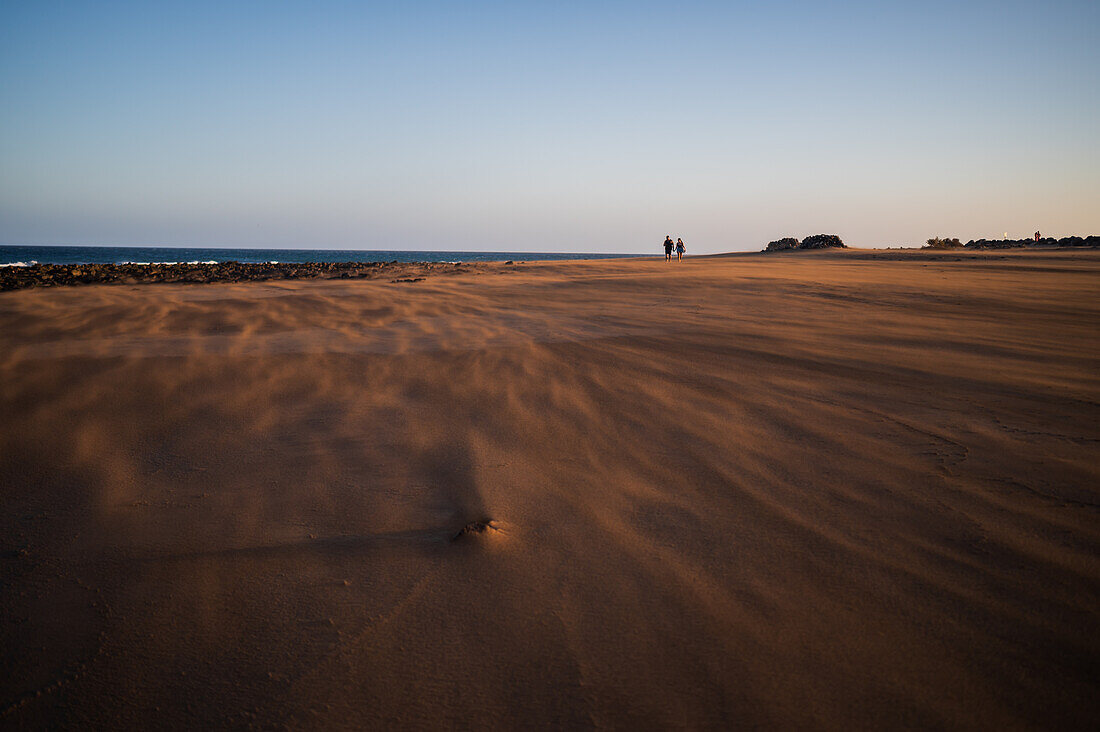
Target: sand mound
[(833, 490), (475, 529)]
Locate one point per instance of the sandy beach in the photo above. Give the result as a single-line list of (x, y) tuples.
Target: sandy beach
[(840, 489)]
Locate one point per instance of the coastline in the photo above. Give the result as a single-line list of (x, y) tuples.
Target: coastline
[(21, 275), (54, 275)]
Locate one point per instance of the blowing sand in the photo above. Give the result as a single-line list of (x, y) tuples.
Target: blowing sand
[(824, 489)]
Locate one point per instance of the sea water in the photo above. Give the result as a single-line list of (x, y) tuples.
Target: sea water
[(22, 256)]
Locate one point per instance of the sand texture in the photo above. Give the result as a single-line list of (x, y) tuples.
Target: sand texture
[(809, 490)]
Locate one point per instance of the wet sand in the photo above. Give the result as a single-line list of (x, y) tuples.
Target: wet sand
[(816, 490)]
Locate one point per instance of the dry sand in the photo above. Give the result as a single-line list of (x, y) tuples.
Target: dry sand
[(821, 490)]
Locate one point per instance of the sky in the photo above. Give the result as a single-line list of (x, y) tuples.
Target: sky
[(545, 126)]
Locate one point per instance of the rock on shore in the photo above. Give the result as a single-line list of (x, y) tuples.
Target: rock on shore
[(49, 275)]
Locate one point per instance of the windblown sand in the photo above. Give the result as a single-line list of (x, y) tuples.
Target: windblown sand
[(811, 490)]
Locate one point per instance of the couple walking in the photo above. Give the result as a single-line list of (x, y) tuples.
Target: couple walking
[(680, 249)]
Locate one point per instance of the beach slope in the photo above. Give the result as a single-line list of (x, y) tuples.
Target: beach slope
[(822, 489)]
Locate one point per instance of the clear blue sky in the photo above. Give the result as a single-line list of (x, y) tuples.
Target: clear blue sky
[(566, 126)]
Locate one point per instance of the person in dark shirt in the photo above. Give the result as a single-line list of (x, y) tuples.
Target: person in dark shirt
[(668, 248)]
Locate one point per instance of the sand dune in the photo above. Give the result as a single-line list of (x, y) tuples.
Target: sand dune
[(825, 490)]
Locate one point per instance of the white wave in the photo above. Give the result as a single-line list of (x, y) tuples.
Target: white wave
[(20, 264)]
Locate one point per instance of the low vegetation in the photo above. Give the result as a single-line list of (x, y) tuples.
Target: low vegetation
[(780, 244), (817, 241), (1048, 242)]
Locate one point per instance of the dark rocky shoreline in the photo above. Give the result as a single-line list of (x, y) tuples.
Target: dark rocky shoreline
[(53, 275), (1043, 243)]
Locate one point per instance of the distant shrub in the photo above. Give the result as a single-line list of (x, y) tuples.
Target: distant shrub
[(1066, 241), (780, 245), (817, 241), (821, 241), (938, 243)]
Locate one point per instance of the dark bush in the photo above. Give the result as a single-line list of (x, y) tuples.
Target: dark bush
[(782, 244), (938, 243), (821, 241)]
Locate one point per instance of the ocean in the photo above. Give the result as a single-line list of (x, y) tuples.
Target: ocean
[(16, 256)]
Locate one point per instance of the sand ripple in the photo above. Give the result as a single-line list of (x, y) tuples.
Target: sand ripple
[(832, 490)]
